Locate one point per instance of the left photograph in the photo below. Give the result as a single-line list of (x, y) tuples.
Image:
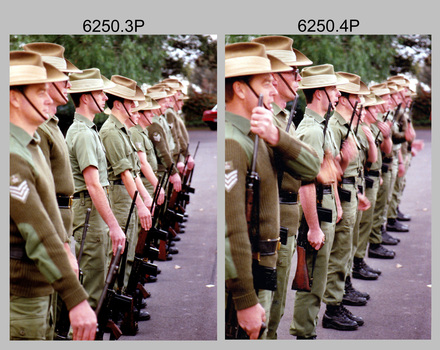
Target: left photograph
[(111, 236)]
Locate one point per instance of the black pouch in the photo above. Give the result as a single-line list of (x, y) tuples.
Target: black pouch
[(369, 182), (385, 168), (344, 195), (264, 277), (283, 234), (324, 214)]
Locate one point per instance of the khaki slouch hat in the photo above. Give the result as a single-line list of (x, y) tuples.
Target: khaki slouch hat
[(320, 76), (250, 58)]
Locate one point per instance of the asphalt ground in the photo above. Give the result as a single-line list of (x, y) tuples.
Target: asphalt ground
[(183, 302), (400, 305)]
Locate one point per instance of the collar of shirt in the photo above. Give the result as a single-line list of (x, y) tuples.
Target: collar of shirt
[(279, 112), (241, 123), (22, 137), (84, 120), (320, 119)]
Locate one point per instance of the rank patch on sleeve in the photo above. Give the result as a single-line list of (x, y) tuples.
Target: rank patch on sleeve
[(18, 188), (156, 137), (231, 179)]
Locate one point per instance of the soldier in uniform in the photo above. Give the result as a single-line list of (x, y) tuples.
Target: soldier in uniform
[(52, 139), (350, 197), (89, 167), (319, 84), (252, 278), (39, 261), (123, 164), (286, 84), (145, 148), (381, 133)]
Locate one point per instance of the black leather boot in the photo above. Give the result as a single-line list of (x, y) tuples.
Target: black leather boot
[(334, 317), (360, 272), (395, 226)]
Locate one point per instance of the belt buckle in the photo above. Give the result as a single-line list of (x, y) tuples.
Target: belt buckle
[(70, 202)]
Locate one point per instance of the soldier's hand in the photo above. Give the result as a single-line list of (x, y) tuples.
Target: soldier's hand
[(190, 164), (384, 129), (117, 237), (401, 170), (410, 134), (368, 133), (250, 320), (262, 125), (316, 238), (144, 217), (349, 149), (180, 166), (364, 203), (161, 197), (83, 321), (176, 181), (339, 212)]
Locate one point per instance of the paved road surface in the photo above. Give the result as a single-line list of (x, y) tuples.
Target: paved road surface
[(400, 304), (183, 305)]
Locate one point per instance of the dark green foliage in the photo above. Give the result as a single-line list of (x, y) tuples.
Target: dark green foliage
[(194, 107)]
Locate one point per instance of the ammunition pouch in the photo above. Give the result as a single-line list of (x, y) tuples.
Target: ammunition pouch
[(283, 235), (264, 277), (324, 214), (344, 195)]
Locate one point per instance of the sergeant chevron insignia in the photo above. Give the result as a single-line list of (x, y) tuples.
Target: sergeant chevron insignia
[(20, 192), (230, 180)]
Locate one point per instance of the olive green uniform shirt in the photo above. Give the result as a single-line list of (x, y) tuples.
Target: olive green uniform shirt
[(239, 144), (85, 149), (55, 151), (120, 152), (36, 226)]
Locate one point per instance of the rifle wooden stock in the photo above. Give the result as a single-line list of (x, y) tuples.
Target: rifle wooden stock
[(301, 281)]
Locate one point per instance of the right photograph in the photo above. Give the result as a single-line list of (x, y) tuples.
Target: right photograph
[(328, 187)]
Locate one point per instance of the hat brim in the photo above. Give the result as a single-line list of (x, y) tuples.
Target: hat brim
[(107, 84), (339, 81)]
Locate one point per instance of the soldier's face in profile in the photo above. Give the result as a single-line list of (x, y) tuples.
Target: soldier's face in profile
[(333, 94), (263, 84)]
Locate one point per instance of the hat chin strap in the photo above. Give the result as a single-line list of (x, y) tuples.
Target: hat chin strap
[(129, 115), (33, 106), (256, 95), (61, 94), (288, 85), (328, 98), (96, 103)]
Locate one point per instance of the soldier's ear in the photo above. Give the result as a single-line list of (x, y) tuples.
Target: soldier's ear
[(237, 87)]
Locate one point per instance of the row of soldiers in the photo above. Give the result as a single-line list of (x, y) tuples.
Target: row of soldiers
[(331, 188), (119, 192)]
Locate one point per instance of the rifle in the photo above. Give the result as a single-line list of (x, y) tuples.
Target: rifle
[(63, 325), (349, 126), (233, 329), (326, 119), (111, 303), (359, 118), (124, 256), (292, 113), (301, 281), (252, 196), (397, 112), (140, 267)]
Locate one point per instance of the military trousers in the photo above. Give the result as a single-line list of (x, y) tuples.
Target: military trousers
[(394, 189), (120, 202), (379, 215), (30, 318), (289, 218), (366, 222), (307, 304), (341, 249), (93, 261)]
